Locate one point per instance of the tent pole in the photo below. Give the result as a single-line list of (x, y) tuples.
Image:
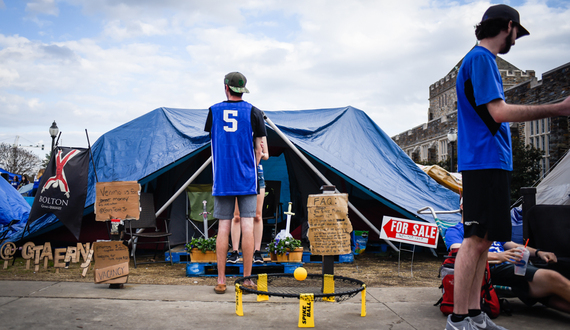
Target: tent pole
[(320, 175), (167, 204), (192, 178)]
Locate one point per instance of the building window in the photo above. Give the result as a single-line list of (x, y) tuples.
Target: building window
[(424, 153), (542, 125), (532, 128), (548, 125), (542, 139)]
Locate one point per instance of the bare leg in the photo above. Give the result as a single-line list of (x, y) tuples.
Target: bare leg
[(247, 244), (222, 249), (467, 272), (236, 228), (546, 283), (258, 221)]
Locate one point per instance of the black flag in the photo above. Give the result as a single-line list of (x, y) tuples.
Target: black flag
[(63, 188)]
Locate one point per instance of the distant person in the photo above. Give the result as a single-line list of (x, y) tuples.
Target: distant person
[(236, 129), (16, 182), (485, 157), (24, 182), (257, 221), (37, 182), (537, 285)]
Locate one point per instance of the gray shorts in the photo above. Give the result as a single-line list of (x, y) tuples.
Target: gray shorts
[(224, 206)]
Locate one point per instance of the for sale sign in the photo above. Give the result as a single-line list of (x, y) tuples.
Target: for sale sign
[(409, 231)]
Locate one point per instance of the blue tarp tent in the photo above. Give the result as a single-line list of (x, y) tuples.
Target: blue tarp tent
[(12, 206), (164, 147)]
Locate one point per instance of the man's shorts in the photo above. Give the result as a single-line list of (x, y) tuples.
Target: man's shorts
[(260, 177), (224, 206), (504, 275), (486, 204)]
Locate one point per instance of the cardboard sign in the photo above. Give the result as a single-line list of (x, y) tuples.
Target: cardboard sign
[(329, 226), (111, 262), (409, 231), (117, 200)]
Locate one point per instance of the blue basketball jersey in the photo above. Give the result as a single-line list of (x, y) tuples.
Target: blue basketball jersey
[(233, 155)]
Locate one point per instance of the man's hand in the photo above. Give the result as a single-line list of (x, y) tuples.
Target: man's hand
[(511, 255), (548, 257)]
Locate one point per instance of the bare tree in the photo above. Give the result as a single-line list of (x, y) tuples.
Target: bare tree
[(18, 160)]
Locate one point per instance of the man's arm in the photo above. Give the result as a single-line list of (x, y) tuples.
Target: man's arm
[(258, 149), (511, 254), (264, 148), (504, 112)]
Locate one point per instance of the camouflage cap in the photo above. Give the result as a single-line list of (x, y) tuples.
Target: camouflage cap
[(236, 82)]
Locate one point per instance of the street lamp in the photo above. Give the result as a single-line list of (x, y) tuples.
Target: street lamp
[(53, 130), (451, 137)]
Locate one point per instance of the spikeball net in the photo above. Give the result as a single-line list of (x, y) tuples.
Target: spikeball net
[(315, 287)]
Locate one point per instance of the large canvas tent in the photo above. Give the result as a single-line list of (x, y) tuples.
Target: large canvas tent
[(166, 146)]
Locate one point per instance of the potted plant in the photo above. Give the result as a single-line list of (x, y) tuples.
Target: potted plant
[(285, 249), (202, 249)]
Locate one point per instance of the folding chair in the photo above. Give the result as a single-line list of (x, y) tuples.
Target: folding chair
[(200, 209), (147, 220), (272, 208), (442, 224)]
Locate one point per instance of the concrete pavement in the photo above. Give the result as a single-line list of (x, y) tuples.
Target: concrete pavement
[(73, 305)]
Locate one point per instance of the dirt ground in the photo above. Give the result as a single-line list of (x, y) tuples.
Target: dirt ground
[(374, 269)]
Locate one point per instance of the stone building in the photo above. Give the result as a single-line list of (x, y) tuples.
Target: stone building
[(429, 142)]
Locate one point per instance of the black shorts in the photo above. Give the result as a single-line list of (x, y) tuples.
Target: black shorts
[(504, 275), (486, 204)]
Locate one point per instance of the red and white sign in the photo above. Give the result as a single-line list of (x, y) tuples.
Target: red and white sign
[(409, 231)]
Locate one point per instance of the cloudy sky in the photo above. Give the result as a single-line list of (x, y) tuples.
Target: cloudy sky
[(97, 64)]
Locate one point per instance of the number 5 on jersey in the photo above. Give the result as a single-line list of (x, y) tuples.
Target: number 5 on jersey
[(230, 118)]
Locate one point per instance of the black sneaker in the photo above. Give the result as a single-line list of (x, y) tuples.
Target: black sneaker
[(257, 258), (233, 258)]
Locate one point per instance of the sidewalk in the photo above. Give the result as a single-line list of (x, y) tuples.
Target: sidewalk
[(73, 305)]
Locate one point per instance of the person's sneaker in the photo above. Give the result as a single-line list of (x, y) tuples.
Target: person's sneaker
[(482, 321), (233, 258), (463, 325), (257, 258)]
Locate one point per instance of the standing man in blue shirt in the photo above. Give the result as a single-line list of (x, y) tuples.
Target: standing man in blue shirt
[(485, 157), (236, 129)]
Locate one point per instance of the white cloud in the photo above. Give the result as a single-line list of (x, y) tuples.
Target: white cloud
[(44, 7), (378, 56)]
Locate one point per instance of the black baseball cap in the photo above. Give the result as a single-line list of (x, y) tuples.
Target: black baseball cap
[(506, 12), (236, 82)]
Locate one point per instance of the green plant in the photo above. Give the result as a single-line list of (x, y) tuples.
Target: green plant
[(282, 246), (202, 244)]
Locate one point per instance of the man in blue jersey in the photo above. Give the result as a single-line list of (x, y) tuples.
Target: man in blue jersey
[(485, 157), (236, 128)]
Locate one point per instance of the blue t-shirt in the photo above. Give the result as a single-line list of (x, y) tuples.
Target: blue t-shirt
[(232, 126), (482, 143), (455, 235)]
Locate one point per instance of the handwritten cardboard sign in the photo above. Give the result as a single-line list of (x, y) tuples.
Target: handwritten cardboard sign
[(329, 226), (117, 200), (111, 262)]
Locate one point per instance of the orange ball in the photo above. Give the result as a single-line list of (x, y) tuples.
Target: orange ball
[(300, 274)]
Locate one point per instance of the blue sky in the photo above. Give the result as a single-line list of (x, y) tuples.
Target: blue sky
[(97, 64)]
